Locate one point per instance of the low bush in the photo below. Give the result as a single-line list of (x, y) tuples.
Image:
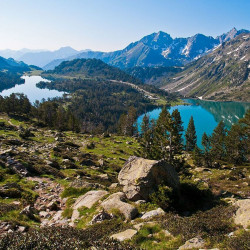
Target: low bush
[(62, 239)]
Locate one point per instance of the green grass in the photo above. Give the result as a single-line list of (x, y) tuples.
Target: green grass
[(74, 192)]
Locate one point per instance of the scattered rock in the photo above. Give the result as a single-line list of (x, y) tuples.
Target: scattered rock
[(101, 217), (89, 199), (139, 177), (166, 233), (196, 242), (103, 176), (113, 185), (140, 202), (118, 201), (78, 183), (125, 235), (142, 224), (153, 213), (29, 211), (242, 215), (53, 206)]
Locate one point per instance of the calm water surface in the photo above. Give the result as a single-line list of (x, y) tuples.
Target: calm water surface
[(29, 88), (206, 114)]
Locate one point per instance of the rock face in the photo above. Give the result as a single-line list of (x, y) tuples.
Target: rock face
[(242, 216), (89, 199), (126, 235), (86, 200), (101, 217), (139, 177), (117, 201), (153, 213), (192, 243)]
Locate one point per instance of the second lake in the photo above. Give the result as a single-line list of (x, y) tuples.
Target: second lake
[(206, 114)]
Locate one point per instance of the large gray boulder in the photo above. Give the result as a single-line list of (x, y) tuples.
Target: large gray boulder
[(140, 177), (125, 235), (153, 213), (196, 242), (242, 215), (118, 201), (87, 200)]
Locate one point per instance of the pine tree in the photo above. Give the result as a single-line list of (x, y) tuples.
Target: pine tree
[(197, 156), (218, 148), (145, 126), (163, 136), (127, 123), (177, 131), (207, 146), (236, 144), (191, 138), (245, 124), (146, 137)]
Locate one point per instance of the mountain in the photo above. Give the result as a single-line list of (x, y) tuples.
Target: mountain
[(10, 72), (221, 75), (16, 54), (42, 58), (157, 76), (91, 68), (13, 66), (157, 49)]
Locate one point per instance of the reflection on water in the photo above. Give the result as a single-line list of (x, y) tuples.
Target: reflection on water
[(206, 114), (29, 88)]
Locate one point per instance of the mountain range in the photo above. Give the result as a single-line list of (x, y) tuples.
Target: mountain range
[(157, 49), (39, 57), (223, 74), (13, 66)]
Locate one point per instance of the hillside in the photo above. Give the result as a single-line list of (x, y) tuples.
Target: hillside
[(157, 76), (11, 71), (221, 75), (90, 68), (68, 188), (157, 49)]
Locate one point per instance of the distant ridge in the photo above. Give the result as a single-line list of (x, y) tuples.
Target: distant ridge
[(221, 75), (157, 49)]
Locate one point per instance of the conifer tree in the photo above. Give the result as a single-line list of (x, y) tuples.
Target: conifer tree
[(218, 148), (236, 144), (207, 146), (191, 138), (197, 156), (163, 136), (146, 137), (177, 131)]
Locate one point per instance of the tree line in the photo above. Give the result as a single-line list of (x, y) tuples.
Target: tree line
[(48, 113), (162, 139)]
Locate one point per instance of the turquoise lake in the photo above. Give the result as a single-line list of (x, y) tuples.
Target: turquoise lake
[(206, 114), (29, 88)]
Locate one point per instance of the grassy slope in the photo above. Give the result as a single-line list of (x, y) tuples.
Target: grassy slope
[(114, 150)]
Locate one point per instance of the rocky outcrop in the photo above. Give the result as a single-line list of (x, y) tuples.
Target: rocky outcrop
[(196, 242), (118, 201), (125, 235), (101, 217), (242, 215), (139, 177), (87, 200), (153, 213)]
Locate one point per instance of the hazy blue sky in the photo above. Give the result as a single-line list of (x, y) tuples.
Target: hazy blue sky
[(112, 24)]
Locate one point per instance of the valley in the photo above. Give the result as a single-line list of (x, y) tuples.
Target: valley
[(146, 147)]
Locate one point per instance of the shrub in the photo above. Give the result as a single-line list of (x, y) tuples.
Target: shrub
[(62, 239), (163, 197)]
